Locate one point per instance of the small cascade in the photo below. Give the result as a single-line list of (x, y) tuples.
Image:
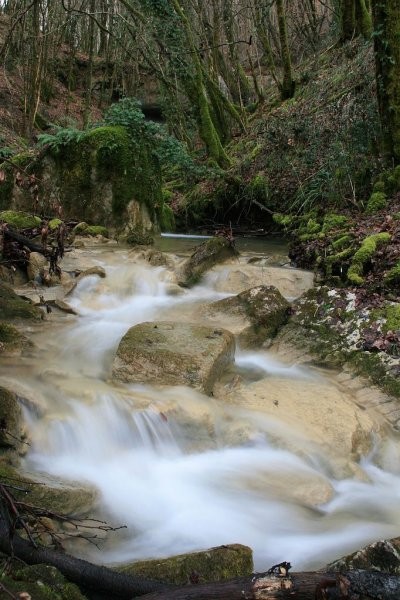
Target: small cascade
[(182, 470)]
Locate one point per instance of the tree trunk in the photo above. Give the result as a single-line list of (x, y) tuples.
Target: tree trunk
[(348, 20), (363, 585), (288, 84), (387, 60)]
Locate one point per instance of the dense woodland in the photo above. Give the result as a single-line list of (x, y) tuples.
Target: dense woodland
[(240, 116)]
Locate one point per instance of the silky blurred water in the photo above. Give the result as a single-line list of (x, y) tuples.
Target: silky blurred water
[(166, 462)]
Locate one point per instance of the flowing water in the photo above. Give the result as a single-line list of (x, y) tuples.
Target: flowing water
[(182, 470)]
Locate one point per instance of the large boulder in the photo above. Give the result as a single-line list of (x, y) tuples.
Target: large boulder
[(211, 252), (171, 353), (383, 555), (13, 307), (215, 564), (261, 311)]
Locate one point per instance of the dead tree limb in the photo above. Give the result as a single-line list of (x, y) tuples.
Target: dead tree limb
[(22, 239), (111, 584), (363, 585)]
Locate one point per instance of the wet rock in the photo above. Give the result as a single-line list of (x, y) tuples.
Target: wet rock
[(291, 283), (13, 307), (12, 341), (322, 420), (171, 353), (206, 255), (11, 424), (215, 564), (262, 309), (383, 555), (36, 265), (71, 285)]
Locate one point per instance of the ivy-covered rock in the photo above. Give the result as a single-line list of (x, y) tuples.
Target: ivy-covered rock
[(214, 564)]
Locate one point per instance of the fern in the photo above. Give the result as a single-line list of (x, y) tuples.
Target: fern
[(63, 137)]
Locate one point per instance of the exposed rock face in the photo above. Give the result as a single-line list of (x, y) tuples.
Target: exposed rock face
[(383, 555), (13, 307), (262, 309), (170, 353), (215, 564), (10, 419), (205, 256), (322, 420)]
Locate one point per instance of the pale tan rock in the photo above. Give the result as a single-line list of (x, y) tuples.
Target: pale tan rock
[(171, 353), (36, 264)]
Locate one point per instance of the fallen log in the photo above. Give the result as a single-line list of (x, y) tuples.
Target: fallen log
[(357, 584), (22, 239), (94, 578)]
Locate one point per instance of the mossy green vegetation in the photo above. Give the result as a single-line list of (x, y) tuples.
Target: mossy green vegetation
[(41, 582), (90, 230), (392, 314), (13, 307), (54, 223), (364, 254), (334, 221), (19, 219), (377, 201), (393, 275)]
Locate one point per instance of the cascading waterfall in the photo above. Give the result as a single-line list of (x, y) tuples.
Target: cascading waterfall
[(165, 461)]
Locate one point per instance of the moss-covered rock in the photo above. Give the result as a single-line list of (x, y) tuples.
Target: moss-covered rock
[(90, 230), (206, 255), (19, 220), (10, 419), (54, 224), (138, 238), (377, 201), (13, 307), (263, 310), (41, 582), (392, 314), (393, 275), (171, 353), (215, 564), (12, 341), (383, 556), (364, 254), (334, 221)]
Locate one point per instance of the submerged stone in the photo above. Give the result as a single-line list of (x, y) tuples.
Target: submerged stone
[(171, 353), (215, 564), (206, 255)]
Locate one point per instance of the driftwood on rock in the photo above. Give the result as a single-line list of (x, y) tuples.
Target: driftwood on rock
[(359, 585)]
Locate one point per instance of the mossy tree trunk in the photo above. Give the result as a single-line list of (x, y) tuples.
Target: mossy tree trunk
[(386, 15), (288, 85), (356, 19)]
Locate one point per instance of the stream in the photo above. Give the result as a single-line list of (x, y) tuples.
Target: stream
[(182, 470)]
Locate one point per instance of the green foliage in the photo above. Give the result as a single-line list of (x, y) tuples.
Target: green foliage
[(63, 137), (19, 220), (377, 201), (392, 277), (392, 318), (333, 221)]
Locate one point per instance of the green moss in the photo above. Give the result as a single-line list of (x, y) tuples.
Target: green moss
[(19, 220), (13, 307), (333, 221), (342, 242), (97, 230), (258, 188), (392, 318), (379, 186), (285, 221), (54, 223), (215, 564), (393, 276), (42, 582), (366, 251), (377, 201)]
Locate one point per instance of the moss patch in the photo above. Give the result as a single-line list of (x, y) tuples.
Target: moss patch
[(364, 254), (13, 307), (377, 201), (42, 582), (20, 220)]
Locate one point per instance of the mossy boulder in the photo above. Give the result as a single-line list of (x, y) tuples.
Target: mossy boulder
[(13, 307), (171, 353), (392, 277), (41, 582), (263, 311), (54, 224), (206, 255), (90, 230), (19, 220), (136, 237), (215, 564), (11, 430), (383, 555), (364, 254)]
